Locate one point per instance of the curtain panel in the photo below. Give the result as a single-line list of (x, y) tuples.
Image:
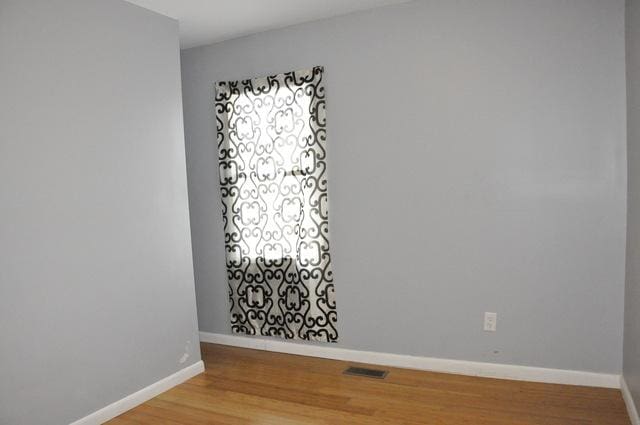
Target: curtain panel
[(271, 135)]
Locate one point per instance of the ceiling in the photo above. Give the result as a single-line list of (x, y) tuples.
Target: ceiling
[(209, 21)]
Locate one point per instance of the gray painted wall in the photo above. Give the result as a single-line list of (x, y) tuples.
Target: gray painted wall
[(477, 163), (96, 280), (631, 369)]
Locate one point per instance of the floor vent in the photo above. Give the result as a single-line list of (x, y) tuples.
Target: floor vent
[(367, 373)]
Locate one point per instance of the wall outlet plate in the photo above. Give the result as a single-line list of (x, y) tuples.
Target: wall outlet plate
[(490, 321)]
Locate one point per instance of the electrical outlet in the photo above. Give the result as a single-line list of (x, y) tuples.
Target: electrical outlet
[(490, 321)]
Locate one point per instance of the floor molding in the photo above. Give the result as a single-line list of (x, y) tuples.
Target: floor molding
[(628, 400), (139, 397), (462, 367)]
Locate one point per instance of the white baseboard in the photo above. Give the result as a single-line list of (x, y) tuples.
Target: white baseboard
[(461, 367), (139, 397), (628, 400)]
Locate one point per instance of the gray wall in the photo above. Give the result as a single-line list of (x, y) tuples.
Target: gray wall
[(632, 297), (96, 279), (477, 163)]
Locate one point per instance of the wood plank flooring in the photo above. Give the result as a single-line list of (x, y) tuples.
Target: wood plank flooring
[(242, 386)]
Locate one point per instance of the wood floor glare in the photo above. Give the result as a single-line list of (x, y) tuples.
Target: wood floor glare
[(242, 386)]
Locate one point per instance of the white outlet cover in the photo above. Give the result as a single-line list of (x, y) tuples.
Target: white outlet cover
[(490, 321)]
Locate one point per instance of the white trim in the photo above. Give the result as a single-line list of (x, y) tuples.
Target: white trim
[(139, 397), (628, 400), (462, 367)]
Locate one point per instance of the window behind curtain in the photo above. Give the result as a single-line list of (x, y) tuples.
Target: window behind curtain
[(273, 182)]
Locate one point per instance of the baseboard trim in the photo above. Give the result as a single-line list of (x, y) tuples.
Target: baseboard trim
[(461, 367), (139, 397), (628, 400)]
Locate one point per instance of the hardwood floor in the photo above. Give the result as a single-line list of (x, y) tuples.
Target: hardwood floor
[(242, 386)]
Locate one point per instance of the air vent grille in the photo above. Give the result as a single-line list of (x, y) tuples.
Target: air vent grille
[(363, 371)]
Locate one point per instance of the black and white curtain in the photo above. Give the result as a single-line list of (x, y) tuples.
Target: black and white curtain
[(273, 182)]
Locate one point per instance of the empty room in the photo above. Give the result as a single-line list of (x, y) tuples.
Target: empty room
[(282, 212)]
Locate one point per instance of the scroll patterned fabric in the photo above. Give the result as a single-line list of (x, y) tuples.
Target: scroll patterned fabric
[(273, 182)]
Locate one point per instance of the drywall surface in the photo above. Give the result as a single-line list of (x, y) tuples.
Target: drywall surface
[(476, 163), (631, 369), (96, 280)]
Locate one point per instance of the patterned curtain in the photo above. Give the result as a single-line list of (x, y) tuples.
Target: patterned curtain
[(273, 182)]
